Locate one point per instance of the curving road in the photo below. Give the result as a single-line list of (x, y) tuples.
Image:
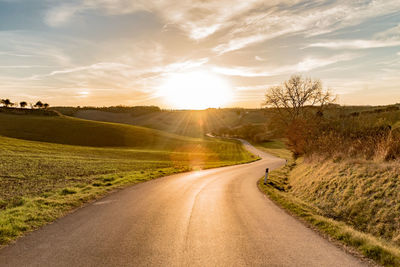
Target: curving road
[(209, 218)]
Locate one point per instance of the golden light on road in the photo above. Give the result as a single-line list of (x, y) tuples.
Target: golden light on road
[(196, 90)]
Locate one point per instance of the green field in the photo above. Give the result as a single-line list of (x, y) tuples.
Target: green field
[(45, 171)]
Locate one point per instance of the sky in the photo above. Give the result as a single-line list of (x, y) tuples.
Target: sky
[(120, 52)]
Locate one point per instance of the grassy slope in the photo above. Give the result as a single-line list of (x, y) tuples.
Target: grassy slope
[(41, 181), (71, 131), (365, 195), (356, 203)]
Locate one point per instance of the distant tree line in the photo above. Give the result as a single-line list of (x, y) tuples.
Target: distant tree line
[(23, 104)]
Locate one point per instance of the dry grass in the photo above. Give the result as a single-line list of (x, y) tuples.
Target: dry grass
[(281, 190), (363, 194), (356, 202)]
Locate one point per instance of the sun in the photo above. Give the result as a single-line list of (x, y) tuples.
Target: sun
[(195, 90)]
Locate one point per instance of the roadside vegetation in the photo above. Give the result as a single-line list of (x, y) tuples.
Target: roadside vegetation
[(343, 175), (278, 189), (51, 165)]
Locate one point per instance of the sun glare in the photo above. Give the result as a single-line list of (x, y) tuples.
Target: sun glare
[(195, 90)]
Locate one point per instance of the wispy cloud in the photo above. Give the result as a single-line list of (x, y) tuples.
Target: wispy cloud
[(389, 34), (103, 66), (307, 64), (356, 44), (239, 23), (11, 54), (255, 27), (60, 15), (239, 43), (253, 87), (198, 19), (23, 66), (388, 38), (258, 58), (115, 75)]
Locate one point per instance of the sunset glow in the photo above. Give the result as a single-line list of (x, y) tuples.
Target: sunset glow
[(123, 51), (195, 90)]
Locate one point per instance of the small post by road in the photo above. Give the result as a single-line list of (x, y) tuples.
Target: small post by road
[(266, 175)]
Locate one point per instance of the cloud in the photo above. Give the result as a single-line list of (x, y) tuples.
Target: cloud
[(255, 42), (253, 87), (239, 43), (115, 75), (33, 47), (102, 66), (23, 66), (238, 23), (242, 71), (60, 15), (307, 64), (180, 66), (255, 27), (388, 38), (12, 54), (356, 44), (198, 19), (389, 34), (258, 58)]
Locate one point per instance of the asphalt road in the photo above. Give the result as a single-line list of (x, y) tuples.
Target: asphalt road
[(208, 218)]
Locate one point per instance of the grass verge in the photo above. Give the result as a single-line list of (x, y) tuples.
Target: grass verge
[(278, 190)]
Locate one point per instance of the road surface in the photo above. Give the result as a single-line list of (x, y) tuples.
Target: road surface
[(214, 217)]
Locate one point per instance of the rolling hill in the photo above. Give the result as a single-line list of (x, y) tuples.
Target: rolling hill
[(194, 123), (72, 131)]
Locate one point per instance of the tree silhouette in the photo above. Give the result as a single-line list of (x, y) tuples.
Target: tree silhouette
[(23, 104), (46, 106), (6, 102), (38, 104)]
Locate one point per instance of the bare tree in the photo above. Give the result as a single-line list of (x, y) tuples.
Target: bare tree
[(23, 104), (292, 97)]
